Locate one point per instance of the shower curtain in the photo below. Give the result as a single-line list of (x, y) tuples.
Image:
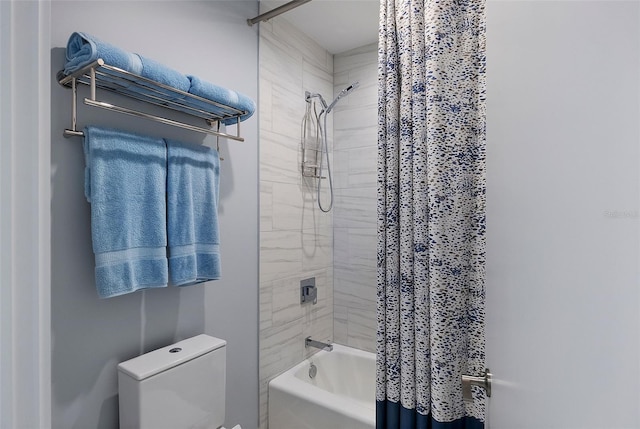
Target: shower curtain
[(431, 213)]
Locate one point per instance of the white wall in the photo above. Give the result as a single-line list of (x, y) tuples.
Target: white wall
[(25, 373), (354, 170), (563, 194), (90, 336)]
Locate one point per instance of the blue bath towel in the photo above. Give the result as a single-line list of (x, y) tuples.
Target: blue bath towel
[(160, 73), (192, 213), (83, 49), (127, 179), (222, 95)]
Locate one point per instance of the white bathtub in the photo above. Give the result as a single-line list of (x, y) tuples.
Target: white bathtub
[(341, 396)]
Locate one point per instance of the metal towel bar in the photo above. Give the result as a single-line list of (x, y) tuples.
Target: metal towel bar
[(104, 76)]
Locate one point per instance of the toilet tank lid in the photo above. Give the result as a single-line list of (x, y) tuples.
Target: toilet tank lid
[(159, 360)]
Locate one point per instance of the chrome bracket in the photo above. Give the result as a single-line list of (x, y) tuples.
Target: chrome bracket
[(470, 380), (308, 291)]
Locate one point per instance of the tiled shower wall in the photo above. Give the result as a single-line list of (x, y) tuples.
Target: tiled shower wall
[(354, 218), (296, 238)]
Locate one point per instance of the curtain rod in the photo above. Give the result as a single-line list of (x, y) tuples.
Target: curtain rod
[(277, 11)]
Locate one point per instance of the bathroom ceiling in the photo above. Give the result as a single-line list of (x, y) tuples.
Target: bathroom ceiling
[(337, 25)]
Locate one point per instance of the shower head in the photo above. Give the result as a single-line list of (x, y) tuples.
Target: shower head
[(343, 93)]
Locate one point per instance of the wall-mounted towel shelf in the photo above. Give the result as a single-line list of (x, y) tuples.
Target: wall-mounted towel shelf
[(104, 76)]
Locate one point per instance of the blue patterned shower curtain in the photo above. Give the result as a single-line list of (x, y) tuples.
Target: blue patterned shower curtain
[(431, 213)]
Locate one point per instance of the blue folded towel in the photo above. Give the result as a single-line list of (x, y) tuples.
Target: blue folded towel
[(222, 95), (83, 49), (127, 178), (162, 74), (192, 212)]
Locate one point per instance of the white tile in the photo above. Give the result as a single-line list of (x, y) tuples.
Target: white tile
[(340, 81), (280, 255), (355, 118), (330, 61), (266, 206), (264, 415), (296, 238), (356, 208), (340, 331), (317, 248), (316, 79), (356, 115), (287, 207), (363, 164), (279, 348), (354, 289), (319, 327), (362, 322), (364, 96), (313, 218), (340, 324), (362, 327), (328, 275), (266, 305), (340, 246), (367, 93), (288, 109), (286, 301), (362, 250), (295, 40), (279, 64), (324, 307), (266, 105), (340, 312), (362, 343), (364, 279), (362, 57), (279, 158), (340, 167), (355, 138)]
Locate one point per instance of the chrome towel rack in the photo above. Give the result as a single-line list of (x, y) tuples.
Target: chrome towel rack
[(103, 76)]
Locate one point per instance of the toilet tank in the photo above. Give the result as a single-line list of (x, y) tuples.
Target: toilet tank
[(176, 387)]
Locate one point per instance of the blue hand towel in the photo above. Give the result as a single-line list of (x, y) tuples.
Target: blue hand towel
[(127, 182), (222, 95), (83, 49), (192, 213)]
